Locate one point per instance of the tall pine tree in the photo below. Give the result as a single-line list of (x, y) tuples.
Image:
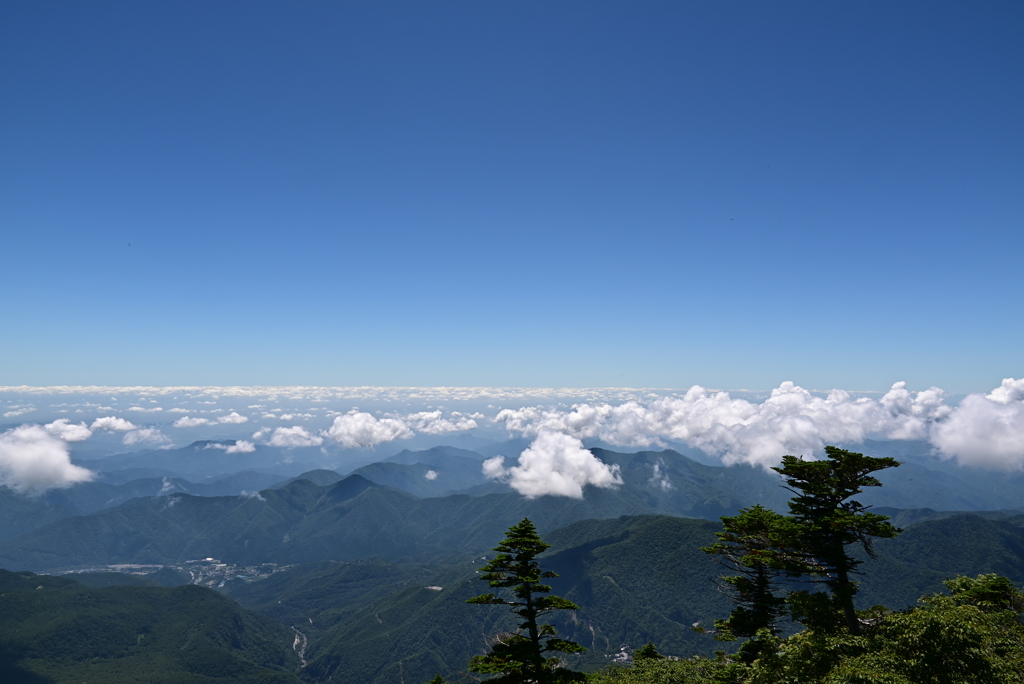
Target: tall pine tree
[(525, 657), (829, 520)]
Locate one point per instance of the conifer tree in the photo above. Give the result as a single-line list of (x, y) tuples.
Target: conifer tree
[(760, 545), (524, 657), (829, 520)]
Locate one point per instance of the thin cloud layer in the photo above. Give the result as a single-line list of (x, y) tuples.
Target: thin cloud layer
[(33, 460), (239, 447), (432, 423), (146, 436), (296, 436), (555, 464), (187, 422)]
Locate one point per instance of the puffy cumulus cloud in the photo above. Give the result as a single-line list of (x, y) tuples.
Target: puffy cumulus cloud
[(555, 464), (239, 447), (432, 423), (986, 430), (65, 430), (187, 422), (33, 460), (232, 418), (791, 420), (296, 436), (146, 436), (252, 495), (261, 433), (430, 474), (112, 423), (1008, 392), (359, 429), (909, 416), (142, 409)]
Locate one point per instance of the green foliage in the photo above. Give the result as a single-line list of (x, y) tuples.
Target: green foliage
[(438, 679), (661, 671), (760, 545), (647, 652), (829, 520), (519, 658), (972, 637)]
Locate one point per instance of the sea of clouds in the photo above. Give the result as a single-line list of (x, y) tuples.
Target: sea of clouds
[(983, 430)]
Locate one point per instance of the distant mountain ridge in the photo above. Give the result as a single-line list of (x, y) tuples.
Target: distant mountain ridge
[(372, 511)]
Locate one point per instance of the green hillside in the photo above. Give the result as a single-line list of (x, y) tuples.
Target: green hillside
[(58, 630)]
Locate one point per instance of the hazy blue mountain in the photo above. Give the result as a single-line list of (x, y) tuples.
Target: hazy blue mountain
[(437, 456), (23, 513), (433, 472), (357, 517), (319, 477), (203, 459), (128, 474)]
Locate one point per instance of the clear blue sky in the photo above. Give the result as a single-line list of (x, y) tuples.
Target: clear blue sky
[(538, 194)]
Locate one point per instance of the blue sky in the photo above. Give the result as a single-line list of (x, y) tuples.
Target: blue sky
[(520, 194)]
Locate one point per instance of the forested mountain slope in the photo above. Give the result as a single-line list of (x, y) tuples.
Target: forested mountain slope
[(60, 631)]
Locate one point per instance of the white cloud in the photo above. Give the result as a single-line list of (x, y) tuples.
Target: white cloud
[(296, 436), (32, 460), (19, 411), (186, 422), (1008, 392), (146, 435), (145, 410), (111, 423), (985, 430), (261, 433), (177, 410), (431, 422), (790, 421), (555, 464), (430, 474), (239, 447), (253, 495), (233, 418), (660, 479), (69, 432), (360, 429)]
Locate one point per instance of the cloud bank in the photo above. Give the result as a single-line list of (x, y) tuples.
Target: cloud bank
[(984, 430)]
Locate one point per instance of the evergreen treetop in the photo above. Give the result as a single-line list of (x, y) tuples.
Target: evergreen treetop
[(521, 658)]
